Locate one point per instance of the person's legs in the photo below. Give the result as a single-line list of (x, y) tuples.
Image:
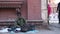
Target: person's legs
[(59, 17)]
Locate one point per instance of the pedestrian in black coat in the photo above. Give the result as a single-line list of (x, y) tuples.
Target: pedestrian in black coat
[(58, 10)]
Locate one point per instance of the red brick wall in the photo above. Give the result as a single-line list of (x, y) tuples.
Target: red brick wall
[(24, 9), (31, 10), (6, 14), (34, 9)]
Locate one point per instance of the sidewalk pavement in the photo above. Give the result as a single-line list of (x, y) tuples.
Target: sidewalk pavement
[(54, 29), (55, 25)]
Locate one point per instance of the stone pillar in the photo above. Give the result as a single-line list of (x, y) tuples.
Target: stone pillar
[(44, 11)]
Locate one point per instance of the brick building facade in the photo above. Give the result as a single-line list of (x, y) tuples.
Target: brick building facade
[(31, 10)]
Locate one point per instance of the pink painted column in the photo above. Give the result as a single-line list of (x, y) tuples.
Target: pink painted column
[(34, 9)]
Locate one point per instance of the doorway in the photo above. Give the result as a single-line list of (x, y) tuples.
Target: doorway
[(53, 16)]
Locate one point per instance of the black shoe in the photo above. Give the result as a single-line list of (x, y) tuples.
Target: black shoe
[(59, 23)]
